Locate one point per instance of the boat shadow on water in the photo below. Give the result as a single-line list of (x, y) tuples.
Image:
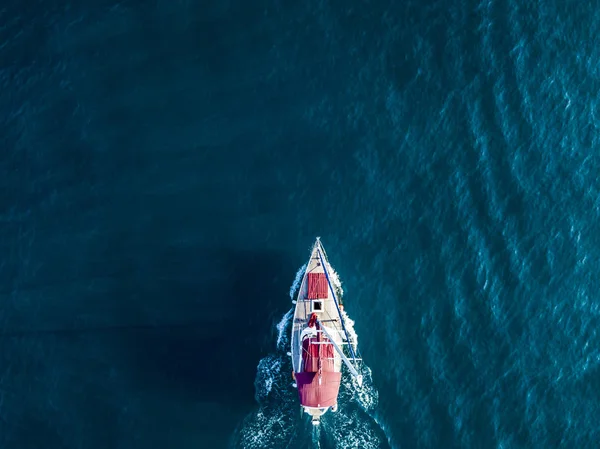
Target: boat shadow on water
[(232, 299)]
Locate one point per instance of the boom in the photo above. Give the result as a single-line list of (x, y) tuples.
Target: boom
[(341, 353)]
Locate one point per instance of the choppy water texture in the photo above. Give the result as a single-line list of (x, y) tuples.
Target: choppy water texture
[(165, 167)]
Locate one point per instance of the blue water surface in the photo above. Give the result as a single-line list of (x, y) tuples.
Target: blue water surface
[(166, 166)]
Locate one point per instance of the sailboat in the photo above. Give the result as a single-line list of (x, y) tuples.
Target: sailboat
[(320, 338)]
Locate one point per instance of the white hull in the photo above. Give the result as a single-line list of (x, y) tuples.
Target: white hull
[(317, 295)]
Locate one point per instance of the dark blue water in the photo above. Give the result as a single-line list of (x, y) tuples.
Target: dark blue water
[(165, 167)]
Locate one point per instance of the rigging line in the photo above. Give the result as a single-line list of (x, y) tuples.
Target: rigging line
[(336, 303)]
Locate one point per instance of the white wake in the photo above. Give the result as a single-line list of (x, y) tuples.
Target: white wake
[(277, 423), (282, 334), (335, 280), (297, 280)]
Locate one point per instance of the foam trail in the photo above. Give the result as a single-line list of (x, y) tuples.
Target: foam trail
[(354, 424), (335, 279), (351, 430), (350, 328), (272, 424), (264, 429), (297, 281), (316, 437), (366, 395), (266, 376), (281, 329)]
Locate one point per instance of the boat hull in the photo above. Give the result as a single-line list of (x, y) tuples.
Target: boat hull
[(317, 367)]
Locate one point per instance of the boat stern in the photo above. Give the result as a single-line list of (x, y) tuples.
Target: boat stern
[(315, 413)]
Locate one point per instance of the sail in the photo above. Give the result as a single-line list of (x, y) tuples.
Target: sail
[(310, 355), (318, 394)]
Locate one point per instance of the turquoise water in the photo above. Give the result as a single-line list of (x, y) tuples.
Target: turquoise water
[(167, 165)]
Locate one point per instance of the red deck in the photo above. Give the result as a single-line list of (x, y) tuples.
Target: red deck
[(317, 286), (314, 395), (311, 393)]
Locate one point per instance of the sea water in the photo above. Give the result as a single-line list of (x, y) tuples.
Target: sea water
[(165, 167)]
